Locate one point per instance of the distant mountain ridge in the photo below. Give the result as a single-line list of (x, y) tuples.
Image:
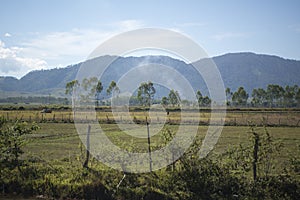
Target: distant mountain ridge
[(40, 82), (237, 69), (257, 70)]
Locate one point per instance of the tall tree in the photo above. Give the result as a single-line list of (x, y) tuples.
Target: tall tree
[(228, 96), (289, 95), (206, 101), (275, 95), (146, 93), (98, 90), (92, 87), (113, 88), (174, 98), (259, 97), (240, 97), (297, 97), (202, 101), (71, 87), (164, 101), (199, 97)]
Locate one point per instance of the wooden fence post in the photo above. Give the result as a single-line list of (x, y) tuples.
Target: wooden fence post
[(255, 155), (86, 162), (149, 147)]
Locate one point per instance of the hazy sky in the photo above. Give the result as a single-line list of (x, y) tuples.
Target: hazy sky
[(43, 34)]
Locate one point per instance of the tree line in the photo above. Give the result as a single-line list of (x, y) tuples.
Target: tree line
[(36, 99), (273, 96)]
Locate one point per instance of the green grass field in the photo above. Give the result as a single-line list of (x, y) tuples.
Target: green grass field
[(58, 142), (58, 139), (54, 155)]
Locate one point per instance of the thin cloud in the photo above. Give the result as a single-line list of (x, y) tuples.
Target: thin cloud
[(56, 45), (190, 24), (229, 35), (7, 35), (129, 24), (77, 43), (12, 63), (44, 51)]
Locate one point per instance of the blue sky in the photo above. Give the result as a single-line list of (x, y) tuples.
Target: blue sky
[(43, 34)]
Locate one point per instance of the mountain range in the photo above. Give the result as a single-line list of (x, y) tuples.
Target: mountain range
[(249, 70)]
